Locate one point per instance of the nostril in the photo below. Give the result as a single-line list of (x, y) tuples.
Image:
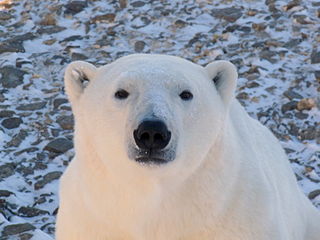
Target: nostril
[(144, 136), (158, 137)]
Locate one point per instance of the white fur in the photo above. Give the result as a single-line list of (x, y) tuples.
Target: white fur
[(230, 178)]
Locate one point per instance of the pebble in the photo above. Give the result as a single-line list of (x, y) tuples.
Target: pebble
[(259, 26), (315, 57), (66, 122), (309, 133), (31, 212), (17, 139), (78, 56), (17, 228), (109, 17), (137, 4), (50, 29), (75, 7), (5, 193), (10, 46), (11, 123), (229, 14), (139, 46), (59, 145), (289, 106), (243, 96), (32, 106), (11, 76), (59, 101), (6, 113), (252, 84), (290, 94), (48, 20), (5, 16), (314, 194), (6, 170), (48, 178), (317, 75), (306, 104)]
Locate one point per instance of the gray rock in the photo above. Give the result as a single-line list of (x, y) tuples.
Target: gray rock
[(11, 76), (72, 38), (292, 43), (302, 19), (75, 7), (268, 55), (6, 113), (314, 194), (315, 57), (50, 29), (66, 122), (32, 106), (31, 212), (15, 44), (59, 145), (243, 96), (123, 3), (78, 56), (109, 17), (139, 46), (137, 4), (301, 115), (25, 236), (17, 139), (309, 133), (252, 84), (5, 193), (290, 94), (293, 129), (17, 228), (10, 46), (59, 101), (289, 106), (11, 123), (23, 37), (229, 14), (5, 15), (317, 75), (6, 170), (48, 178), (180, 23), (27, 150)]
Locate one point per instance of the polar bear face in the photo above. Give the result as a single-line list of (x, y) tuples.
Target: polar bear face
[(150, 113)]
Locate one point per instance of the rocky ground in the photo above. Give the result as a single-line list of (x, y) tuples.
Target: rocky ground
[(274, 44)]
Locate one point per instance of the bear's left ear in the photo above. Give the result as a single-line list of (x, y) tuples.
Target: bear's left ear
[(224, 75)]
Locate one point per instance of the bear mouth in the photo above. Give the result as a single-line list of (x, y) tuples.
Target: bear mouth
[(151, 160)]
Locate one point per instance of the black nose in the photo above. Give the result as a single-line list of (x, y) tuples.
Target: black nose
[(152, 135)]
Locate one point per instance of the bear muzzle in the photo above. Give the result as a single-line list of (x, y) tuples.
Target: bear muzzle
[(151, 137)]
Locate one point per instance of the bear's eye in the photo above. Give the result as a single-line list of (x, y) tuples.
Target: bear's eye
[(186, 95), (121, 94)]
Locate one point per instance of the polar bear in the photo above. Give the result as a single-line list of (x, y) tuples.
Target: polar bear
[(164, 151)]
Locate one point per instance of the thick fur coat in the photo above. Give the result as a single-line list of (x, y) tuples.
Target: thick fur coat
[(227, 176)]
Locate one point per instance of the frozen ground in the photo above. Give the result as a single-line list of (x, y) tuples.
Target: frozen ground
[(274, 44)]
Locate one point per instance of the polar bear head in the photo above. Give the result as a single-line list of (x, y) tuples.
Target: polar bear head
[(153, 112)]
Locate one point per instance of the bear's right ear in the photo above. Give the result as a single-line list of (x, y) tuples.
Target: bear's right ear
[(76, 74), (224, 76)]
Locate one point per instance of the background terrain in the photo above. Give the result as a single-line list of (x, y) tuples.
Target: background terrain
[(274, 44)]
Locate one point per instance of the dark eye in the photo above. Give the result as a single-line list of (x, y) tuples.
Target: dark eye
[(186, 95), (121, 94)]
